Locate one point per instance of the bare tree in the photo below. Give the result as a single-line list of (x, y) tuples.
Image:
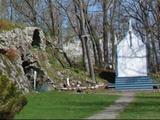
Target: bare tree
[(147, 22)]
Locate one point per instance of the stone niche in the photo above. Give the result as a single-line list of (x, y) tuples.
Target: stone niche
[(36, 38)]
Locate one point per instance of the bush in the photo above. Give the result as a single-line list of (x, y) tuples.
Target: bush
[(12, 54), (6, 25), (11, 100)]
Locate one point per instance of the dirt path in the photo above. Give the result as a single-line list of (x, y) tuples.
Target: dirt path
[(113, 111)]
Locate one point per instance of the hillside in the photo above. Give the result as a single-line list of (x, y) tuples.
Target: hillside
[(25, 56)]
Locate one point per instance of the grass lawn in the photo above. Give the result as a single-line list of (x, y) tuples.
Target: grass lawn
[(64, 105), (145, 106)]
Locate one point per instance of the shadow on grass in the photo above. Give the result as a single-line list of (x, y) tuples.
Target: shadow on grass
[(148, 97), (88, 103)]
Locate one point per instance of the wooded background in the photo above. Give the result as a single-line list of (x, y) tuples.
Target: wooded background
[(98, 24)]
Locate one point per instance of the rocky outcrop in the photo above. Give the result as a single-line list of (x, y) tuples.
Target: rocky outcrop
[(15, 72), (73, 50), (21, 38), (24, 57), (18, 59)]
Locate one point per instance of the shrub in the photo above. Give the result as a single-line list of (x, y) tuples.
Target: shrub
[(11, 100), (12, 54), (6, 25), (156, 76)]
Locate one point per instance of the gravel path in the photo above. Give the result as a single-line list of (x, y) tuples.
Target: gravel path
[(113, 111)]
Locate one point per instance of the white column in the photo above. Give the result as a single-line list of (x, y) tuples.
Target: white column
[(34, 78), (68, 83)]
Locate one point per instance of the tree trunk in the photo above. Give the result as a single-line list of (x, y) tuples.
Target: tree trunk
[(85, 36), (113, 49), (95, 53), (148, 53), (99, 52), (158, 53), (96, 45), (154, 49), (50, 7), (105, 34), (11, 10), (89, 59), (85, 61), (67, 59)]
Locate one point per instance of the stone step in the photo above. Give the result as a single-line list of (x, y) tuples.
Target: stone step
[(124, 83), (138, 84), (130, 81), (135, 82), (142, 77), (135, 88), (132, 78), (128, 85)]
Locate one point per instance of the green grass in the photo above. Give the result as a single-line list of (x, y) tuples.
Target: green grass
[(64, 105), (145, 106)]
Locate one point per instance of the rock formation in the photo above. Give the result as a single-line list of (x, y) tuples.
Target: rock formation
[(23, 53), (18, 59)]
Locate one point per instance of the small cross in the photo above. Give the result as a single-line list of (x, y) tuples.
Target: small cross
[(130, 32)]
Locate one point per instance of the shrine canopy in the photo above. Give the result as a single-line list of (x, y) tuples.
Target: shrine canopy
[(131, 56)]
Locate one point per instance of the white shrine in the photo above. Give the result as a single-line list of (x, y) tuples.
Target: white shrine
[(132, 63)]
